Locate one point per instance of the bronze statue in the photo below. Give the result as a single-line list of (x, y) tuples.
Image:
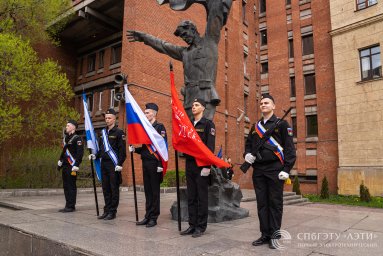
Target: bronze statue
[(200, 57)]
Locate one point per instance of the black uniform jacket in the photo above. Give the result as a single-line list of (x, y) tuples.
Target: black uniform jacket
[(75, 146), (144, 151), (116, 139), (206, 131), (284, 136)]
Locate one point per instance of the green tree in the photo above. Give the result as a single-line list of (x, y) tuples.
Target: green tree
[(364, 193), (31, 19), (324, 193), (34, 94), (296, 186)]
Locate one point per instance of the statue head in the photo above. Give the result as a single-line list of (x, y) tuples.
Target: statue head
[(187, 31)]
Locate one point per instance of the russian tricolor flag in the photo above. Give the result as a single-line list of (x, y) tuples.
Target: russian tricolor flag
[(141, 131)]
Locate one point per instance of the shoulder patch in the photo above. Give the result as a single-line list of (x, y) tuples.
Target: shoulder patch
[(212, 131), (163, 134), (79, 142), (290, 131), (123, 136)]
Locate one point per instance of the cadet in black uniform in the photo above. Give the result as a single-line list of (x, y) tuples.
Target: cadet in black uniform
[(270, 172), (152, 170), (197, 178), (70, 160), (112, 153)]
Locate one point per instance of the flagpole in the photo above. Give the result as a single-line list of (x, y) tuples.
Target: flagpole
[(134, 185), (94, 184), (178, 192)]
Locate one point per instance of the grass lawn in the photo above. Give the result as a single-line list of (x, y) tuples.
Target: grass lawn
[(376, 201)]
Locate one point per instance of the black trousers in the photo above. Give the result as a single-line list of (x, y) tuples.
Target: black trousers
[(111, 181), (152, 181), (70, 188), (269, 192), (197, 189)]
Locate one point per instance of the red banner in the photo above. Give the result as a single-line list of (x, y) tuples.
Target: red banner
[(185, 138)]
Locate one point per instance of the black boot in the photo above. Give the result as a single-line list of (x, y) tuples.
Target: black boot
[(261, 240), (142, 222), (188, 231), (110, 216), (102, 216)]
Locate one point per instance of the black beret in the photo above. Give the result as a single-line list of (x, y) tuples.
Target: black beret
[(267, 96), (151, 106), (71, 121), (111, 111), (200, 101)]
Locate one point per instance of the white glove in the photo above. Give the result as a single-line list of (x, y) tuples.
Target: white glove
[(118, 168), (75, 169), (250, 158), (59, 163), (160, 169), (131, 149), (92, 157), (205, 172), (283, 175)]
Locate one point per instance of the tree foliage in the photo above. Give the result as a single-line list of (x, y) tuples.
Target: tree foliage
[(296, 186), (324, 193), (31, 19), (34, 94)]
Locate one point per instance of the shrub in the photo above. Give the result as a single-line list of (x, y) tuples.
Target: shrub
[(364, 193), (37, 168), (170, 179), (324, 193), (296, 186)]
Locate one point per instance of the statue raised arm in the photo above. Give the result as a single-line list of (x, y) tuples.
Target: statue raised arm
[(200, 57)]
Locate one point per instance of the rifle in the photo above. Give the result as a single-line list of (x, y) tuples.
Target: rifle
[(245, 166)]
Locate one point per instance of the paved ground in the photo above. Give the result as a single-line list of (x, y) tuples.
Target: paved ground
[(314, 229)]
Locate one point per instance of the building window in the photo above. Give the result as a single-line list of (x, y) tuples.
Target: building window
[(262, 6), (312, 126), (264, 68), (310, 87), (116, 54), (113, 101), (362, 4), (80, 65), (370, 64), (307, 45), (294, 125), (291, 48), (245, 103), (288, 2), (100, 101), (89, 102), (243, 11), (101, 55), (245, 63), (292, 87), (91, 63), (263, 34)]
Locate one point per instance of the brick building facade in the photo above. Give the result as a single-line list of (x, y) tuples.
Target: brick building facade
[(281, 47), (296, 67)]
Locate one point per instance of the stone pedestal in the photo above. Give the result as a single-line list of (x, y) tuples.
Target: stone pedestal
[(224, 200)]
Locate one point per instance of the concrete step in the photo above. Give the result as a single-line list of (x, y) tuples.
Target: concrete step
[(295, 201), (289, 194), (291, 197), (303, 203)]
